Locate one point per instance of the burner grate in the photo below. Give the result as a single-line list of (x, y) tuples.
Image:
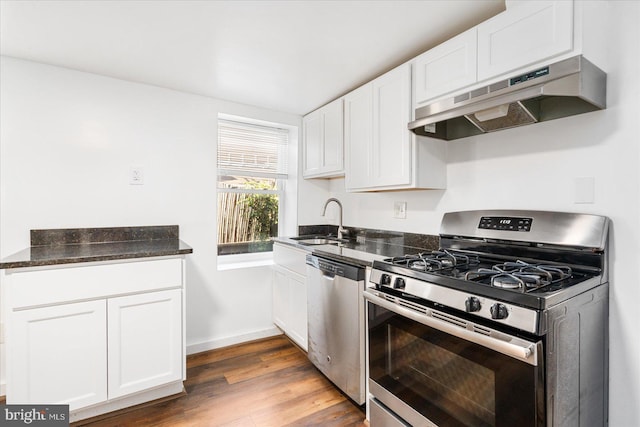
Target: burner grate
[(435, 260), (520, 275)]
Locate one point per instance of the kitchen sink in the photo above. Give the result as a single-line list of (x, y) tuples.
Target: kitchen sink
[(324, 240)]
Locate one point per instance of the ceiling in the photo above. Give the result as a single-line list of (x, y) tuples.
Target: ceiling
[(290, 56)]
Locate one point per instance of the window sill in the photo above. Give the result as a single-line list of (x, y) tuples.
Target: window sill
[(234, 262)]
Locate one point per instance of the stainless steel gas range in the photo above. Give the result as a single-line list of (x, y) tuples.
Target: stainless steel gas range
[(505, 325)]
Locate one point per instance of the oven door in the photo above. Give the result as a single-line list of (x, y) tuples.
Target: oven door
[(432, 368)]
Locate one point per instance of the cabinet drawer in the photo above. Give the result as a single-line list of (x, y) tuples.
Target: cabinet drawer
[(290, 258), (36, 287)]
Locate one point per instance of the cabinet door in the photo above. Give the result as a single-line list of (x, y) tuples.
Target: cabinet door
[(446, 68), (358, 129), (298, 302), (280, 298), (323, 146), (312, 146), (58, 355), (526, 33), (392, 140), (290, 304), (145, 341), (333, 138)]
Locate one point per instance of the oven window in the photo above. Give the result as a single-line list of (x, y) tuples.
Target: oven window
[(450, 381)]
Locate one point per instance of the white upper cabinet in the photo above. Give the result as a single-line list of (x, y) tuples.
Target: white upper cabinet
[(526, 33), (323, 147), (382, 154), (392, 141), (358, 130), (445, 68)]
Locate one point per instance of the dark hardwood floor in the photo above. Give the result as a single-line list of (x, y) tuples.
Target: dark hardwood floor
[(266, 383)]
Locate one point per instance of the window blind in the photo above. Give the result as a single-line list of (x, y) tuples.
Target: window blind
[(252, 150)]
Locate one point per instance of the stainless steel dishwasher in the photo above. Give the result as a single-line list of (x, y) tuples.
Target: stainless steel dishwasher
[(336, 323)]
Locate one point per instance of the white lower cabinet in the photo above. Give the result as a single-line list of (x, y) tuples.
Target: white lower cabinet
[(290, 304), (280, 298), (122, 344), (59, 355), (298, 327), (290, 293), (145, 340)]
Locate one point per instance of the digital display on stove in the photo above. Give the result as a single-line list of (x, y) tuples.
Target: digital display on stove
[(505, 223)]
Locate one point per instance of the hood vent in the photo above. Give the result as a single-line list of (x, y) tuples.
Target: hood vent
[(562, 89)]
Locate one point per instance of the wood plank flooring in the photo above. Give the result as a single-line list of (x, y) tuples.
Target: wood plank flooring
[(265, 383)]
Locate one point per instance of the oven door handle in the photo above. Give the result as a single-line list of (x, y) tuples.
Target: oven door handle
[(517, 348)]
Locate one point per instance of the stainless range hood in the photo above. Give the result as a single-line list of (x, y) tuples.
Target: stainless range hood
[(565, 88)]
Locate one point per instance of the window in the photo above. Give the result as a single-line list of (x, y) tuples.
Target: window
[(252, 169)]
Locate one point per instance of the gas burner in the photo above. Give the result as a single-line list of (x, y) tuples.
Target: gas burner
[(516, 280), (434, 261), (520, 275)]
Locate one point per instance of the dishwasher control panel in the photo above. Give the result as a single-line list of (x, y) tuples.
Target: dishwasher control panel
[(332, 268), (336, 268)]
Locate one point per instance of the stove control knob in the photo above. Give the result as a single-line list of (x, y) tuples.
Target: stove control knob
[(472, 304), (399, 283), (499, 311), (385, 280)]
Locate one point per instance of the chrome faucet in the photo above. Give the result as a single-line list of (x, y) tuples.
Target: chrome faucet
[(341, 230)]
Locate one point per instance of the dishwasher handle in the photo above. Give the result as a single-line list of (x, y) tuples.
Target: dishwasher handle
[(331, 268)]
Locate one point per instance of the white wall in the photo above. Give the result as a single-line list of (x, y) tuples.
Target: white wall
[(67, 141), (535, 167)]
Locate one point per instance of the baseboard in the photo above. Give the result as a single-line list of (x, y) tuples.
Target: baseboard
[(3, 389), (175, 388), (236, 339)]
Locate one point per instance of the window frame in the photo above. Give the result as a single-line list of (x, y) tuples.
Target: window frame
[(233, 260)]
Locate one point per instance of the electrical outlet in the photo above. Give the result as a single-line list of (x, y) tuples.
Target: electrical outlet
[(136, 175), (400, 210)]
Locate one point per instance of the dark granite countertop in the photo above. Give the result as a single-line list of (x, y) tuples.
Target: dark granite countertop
[(364, 245), (68, 246)]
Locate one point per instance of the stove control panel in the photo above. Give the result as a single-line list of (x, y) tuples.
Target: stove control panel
[(505, 223), (477, 305)]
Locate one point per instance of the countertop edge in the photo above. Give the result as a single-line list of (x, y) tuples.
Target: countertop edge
[(368, 256), (183, 249)]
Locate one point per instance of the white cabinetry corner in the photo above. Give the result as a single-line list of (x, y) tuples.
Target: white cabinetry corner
[(382, 154), (323, 142), (526, 33), (445, 68), (98, 336), (290, 292)]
